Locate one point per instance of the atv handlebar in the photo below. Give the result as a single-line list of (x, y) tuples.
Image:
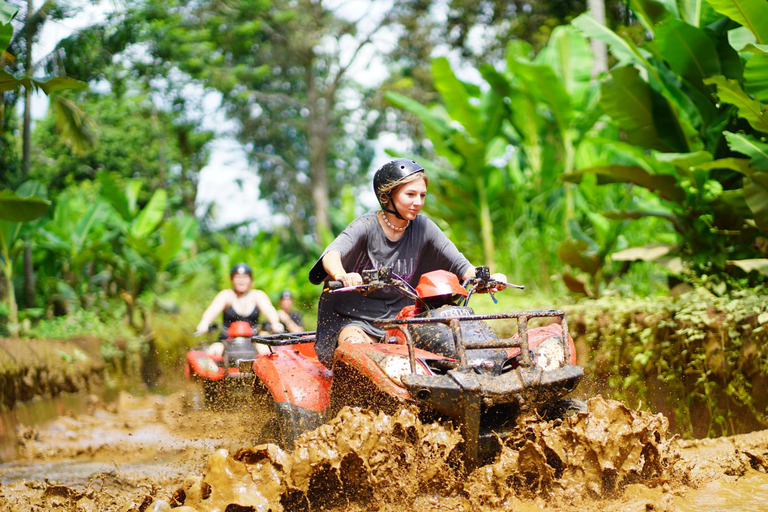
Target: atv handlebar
[(382, 278), (376, 279)]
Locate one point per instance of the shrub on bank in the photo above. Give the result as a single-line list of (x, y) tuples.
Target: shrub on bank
[(118, 349), (701, 359), (33, 367)]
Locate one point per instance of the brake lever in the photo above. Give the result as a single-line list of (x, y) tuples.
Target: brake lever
[(338, 287), (510, 285)]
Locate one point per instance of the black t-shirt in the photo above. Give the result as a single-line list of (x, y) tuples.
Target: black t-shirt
[(363, 245)]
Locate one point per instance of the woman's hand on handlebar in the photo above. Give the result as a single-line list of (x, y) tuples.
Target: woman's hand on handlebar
[(202, 328), (349, 279), (501, 282)]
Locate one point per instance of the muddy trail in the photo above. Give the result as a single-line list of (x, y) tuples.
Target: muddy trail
[(165, 452)]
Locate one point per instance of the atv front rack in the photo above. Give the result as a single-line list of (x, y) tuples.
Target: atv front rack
[(464, 394), (284, 338), (454, 324)]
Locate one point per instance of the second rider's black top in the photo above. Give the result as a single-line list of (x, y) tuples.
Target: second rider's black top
[(230, 315)]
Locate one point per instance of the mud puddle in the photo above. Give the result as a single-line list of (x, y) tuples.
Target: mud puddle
[(158, 453)]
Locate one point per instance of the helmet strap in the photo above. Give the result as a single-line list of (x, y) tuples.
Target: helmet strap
[(394, 210)]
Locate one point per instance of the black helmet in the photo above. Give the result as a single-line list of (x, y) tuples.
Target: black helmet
[(285, 294), (240, 268), (390, 173)]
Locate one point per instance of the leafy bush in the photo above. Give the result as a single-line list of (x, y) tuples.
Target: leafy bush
[(700, 358), (119, 347)]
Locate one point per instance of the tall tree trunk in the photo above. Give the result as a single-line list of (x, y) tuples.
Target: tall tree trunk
[(29, 276), (599, 49), (318, 139), (26, 135)]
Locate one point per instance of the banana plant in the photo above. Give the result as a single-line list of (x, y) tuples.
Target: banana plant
[(146, 245), (16, 208), (683, 102), (76, 241), (497, 160)]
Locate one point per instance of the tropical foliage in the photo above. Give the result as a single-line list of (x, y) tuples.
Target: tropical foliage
[(688, 102)]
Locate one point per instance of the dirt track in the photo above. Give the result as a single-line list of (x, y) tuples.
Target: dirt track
[(156, 452)]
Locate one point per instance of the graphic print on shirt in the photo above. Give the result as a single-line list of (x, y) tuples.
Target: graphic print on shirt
[(402, 268)]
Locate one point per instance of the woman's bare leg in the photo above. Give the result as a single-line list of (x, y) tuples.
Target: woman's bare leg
[(354, 334)]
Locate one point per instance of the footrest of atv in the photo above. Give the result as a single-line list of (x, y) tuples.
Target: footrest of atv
[(448, 393)]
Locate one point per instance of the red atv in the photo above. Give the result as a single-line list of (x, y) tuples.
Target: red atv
[(438, 355), (217, 365)]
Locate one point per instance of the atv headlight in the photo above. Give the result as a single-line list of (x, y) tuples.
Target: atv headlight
[(397, 366), (550, 354), (208, 364)]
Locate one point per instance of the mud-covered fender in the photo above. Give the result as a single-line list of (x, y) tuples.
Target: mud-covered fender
[(195, 367), (293, 374), (299, 385)]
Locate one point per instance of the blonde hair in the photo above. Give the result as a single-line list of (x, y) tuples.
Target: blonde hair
[(386, 192)]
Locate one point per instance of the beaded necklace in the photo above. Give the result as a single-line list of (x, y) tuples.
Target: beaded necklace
[(395, 228)]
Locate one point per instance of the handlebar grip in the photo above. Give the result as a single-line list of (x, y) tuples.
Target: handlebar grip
[(335, 285)]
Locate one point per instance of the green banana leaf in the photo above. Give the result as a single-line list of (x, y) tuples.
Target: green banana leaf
[(541, 82), (626, 98), (84, 226), (6, 34), (752, 14), (739, 165), (696, 12), (7, 13), (9, 82), (623, 49), (756, 75), (173, 234), (756, 150), (16, 208), (664, 185), (729, 91), (455, 97), (650, 12), (427, 116), (150, 217), (569, 55), (110, 190), (756, 195), (688, 50)]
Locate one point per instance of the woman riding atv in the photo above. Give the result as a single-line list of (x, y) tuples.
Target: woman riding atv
[(397, 237), (240, 303)]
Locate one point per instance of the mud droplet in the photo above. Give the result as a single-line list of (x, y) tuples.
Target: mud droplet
[(159, 506)]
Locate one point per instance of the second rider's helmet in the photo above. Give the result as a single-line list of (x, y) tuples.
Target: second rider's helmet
[(390, 173), (240, 268)]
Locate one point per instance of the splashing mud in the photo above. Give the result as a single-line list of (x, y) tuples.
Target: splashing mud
[(371, 459), (135, 458)]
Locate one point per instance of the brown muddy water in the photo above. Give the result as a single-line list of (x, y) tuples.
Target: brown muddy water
[(166, 452)]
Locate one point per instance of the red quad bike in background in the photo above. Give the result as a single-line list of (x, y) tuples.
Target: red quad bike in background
[(438, 355), (216, 364)]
